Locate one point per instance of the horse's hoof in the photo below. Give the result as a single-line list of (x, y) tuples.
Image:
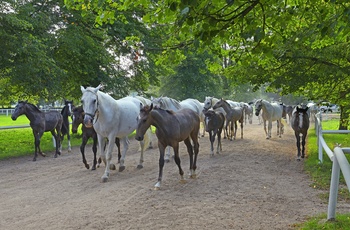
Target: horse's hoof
[(167, 160), (112, 167), (183, 181), (55, 156), (139, 167), (34, 159), (298, 159), (93, 168), (104, 179), (193, 176), (156, 188), (87, 166), (121, 168)]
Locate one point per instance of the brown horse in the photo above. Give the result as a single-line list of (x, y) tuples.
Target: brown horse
[(40, 122), (77, 119), (214, 123), (171, 128)]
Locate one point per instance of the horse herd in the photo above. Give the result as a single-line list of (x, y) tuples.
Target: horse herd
[(109, 122)]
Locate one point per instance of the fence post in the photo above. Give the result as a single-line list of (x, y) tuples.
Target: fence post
[(333, 190)]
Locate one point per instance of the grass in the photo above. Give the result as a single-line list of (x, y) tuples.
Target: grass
[(20, 142), (321, 176)]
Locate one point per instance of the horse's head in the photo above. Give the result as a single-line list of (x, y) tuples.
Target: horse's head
[(258, 107), (19, 110), (208, 102), (143, 121), (218, 104), (69, 105), (89, 101), (77, 118)]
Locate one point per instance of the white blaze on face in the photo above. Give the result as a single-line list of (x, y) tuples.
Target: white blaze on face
[(206, 121), (301, 120)]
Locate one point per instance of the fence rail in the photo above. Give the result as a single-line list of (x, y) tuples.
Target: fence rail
[(340, 163), (8, 112)]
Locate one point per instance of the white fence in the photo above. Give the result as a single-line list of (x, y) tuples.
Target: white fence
[(339, 160)]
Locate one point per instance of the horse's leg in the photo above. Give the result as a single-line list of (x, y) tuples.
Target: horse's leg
[(242, 130), (142, 144), (117, 143), (303, 145), (82, 150), (167, 155), (94, 150), (266, 134), (196, 150), (204, 126), (36, 144), (278, 128), (297, 136), (161, 165), (68, 137), (269, 128), (219, 147), (177, 158), (57, 140), (125, 142), (235, 131), (211, 139), (101, 142)]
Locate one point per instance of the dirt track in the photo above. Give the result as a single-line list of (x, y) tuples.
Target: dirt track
[(254, 184)]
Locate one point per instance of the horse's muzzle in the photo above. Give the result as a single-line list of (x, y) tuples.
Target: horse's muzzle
[(88, 121), (139, 138), (256, 113)]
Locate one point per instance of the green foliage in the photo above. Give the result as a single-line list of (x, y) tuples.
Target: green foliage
[(319, 222)]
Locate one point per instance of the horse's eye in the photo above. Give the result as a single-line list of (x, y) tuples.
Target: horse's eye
[(94, 101), (144, 120)]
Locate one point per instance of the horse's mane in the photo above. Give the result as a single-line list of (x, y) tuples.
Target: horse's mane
[(78, 109), (31, 105), (146, 108), (168, 100)]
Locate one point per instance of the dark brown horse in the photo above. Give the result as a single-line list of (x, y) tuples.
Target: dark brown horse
[(300, 125), (66, 113), (77, 119), (214, 123), (40, 122), (171, 128)]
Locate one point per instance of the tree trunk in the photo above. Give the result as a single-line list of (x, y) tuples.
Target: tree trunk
[(344, 118)]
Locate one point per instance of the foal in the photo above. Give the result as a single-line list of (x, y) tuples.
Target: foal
[(214, 123)]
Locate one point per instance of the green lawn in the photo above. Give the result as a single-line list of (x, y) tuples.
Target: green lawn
[(321, 175)]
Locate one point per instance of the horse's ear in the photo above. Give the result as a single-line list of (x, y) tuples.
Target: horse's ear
[(151, 107), (100, 86), (141, 105), (82, 89)]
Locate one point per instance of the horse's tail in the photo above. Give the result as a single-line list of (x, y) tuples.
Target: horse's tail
[(283, 122)]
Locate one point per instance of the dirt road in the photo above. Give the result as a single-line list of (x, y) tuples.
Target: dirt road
[(253, 184)]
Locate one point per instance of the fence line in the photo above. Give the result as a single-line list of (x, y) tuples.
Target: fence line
[(340, 163)]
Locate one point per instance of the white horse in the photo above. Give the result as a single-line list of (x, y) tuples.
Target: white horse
[(172, 104), (271, 112), (248, 113), (110, 118)]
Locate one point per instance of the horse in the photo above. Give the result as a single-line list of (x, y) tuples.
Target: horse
[(214, 123), (110, 118), (209, 102), (287, 110), (312, 111), (66, 112), (300, 125), (271, 112), (171, 128), (248, 113), (40, 122), (174, 105), (232, 115), (87, 133)]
